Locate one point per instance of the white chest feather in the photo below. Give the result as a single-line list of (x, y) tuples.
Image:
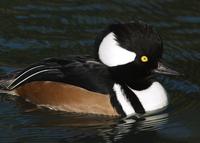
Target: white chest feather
[(123, 101), (152, 98)]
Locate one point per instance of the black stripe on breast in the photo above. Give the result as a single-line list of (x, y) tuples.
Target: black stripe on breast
[(115, 103), (135, 102)]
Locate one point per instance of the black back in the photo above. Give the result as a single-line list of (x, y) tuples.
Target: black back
[(84, 72)]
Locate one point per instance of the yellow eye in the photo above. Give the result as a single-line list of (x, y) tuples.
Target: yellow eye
[(144, 59)]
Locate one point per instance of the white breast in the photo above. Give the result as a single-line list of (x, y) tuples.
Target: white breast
[(152, 98), (123, 101)]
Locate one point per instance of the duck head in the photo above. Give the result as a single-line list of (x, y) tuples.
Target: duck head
[(132, 52)]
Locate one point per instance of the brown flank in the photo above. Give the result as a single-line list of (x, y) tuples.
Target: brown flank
[(66, 97)]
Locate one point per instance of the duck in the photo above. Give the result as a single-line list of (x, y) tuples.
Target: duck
[(119, 81)]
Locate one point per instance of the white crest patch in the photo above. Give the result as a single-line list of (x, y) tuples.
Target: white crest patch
[(153, 98), (111, 54), (124, 102)]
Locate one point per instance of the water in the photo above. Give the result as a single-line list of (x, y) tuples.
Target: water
[(32, 30)]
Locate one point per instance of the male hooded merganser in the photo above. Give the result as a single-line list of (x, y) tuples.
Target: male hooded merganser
[(118, 83)]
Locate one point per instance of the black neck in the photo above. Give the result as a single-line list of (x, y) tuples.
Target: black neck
[(132, 75), (134, 83), (138, 84)]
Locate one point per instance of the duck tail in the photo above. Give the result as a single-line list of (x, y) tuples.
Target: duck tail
[(5, 81), (4, 86)]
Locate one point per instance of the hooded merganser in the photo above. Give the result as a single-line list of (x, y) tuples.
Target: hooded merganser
[(119, 82)]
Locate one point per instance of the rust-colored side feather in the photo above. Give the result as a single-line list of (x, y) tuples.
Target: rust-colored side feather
[(65, 97)]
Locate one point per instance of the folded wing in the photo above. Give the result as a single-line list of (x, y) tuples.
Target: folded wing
[(79, 71)]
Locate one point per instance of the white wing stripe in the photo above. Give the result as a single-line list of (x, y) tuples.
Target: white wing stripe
[(24, 73), (32, 76)]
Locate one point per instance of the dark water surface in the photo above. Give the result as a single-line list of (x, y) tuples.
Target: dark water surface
[(32, 30)]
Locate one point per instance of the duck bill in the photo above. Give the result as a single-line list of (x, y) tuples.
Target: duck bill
[(162, 69)]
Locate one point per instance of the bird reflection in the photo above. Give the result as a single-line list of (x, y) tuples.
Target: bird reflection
[(130, 129)]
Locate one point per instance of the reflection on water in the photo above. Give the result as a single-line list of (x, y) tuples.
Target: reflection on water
[(128, 129), (32, 30)]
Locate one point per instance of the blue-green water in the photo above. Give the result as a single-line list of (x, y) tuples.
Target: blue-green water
[(32, 30)]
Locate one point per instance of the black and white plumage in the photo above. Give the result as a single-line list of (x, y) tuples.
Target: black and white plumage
[(121, 77), (81, 71)]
